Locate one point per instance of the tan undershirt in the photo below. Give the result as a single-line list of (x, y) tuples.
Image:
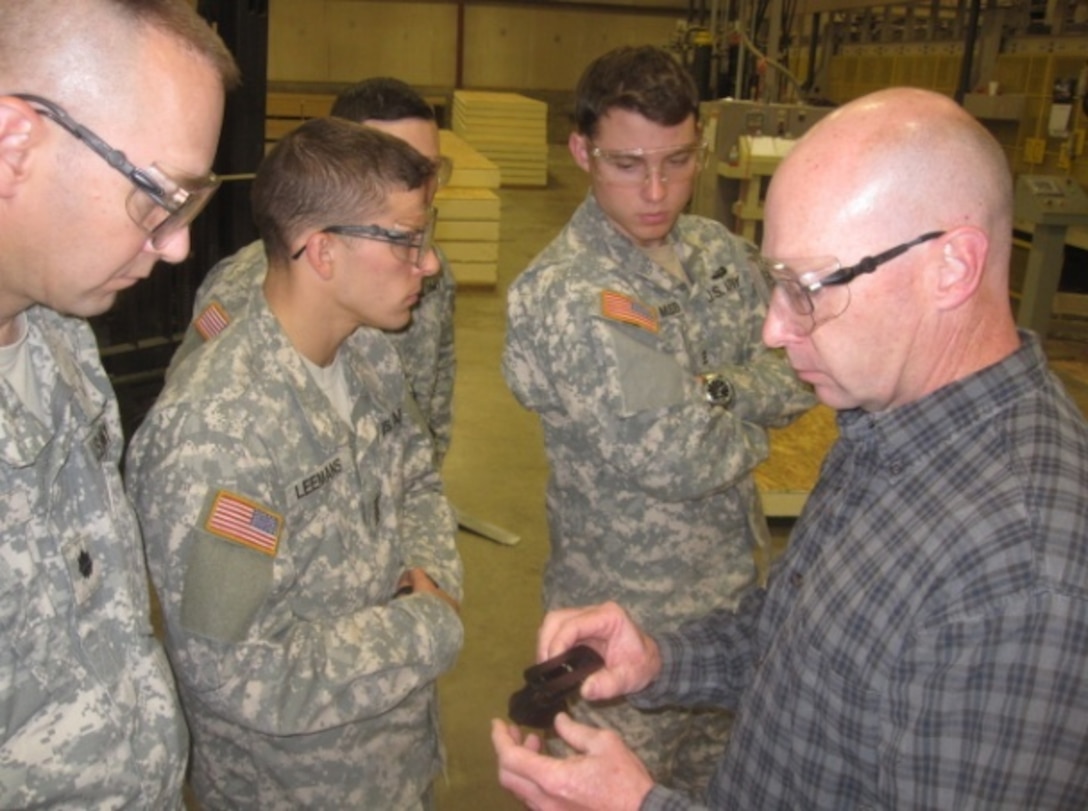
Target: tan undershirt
[(15, 367), (665, 256)]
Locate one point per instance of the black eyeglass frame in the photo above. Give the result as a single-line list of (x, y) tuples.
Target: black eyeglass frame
[(845, 275), (182, 205), (421, 240), (871, 263)]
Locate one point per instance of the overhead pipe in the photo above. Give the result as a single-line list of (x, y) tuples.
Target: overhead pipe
[(968, 51), (813, 44), (459, 70)]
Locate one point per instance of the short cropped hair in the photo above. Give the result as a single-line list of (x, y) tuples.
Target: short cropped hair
[(642, 79), (329, 171), (34, 35), (382, 98)]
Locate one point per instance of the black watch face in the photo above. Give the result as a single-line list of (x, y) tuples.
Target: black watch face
[(719, 391)]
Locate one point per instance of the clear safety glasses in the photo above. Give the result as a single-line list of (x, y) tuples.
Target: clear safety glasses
[(816, 290), (408, 245), (162, 203), (634, 167)]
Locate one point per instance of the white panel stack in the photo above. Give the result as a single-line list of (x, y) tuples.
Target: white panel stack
[(468, 214), (507, 128)]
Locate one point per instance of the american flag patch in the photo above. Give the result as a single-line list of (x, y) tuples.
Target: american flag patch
[(623, 308), (240, 520), (212, 320)]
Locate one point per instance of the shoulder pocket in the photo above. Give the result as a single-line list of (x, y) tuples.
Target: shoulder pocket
[(225, 586), (649, 378)]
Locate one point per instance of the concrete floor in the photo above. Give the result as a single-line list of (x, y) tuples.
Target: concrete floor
[(496, 471)]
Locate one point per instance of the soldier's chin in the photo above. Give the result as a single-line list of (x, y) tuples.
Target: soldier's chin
[(90, 305), (395, 323)]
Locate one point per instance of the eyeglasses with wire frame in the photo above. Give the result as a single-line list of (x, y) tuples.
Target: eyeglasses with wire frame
[(631, 167), (162, 203), (410, 246), (817, 288)]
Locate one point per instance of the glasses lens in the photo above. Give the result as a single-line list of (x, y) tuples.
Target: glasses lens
[(184, 216), (785, 286), (682, 165), (426, 239), (636, 168), (831, 303), (162, 206), (797, 286), (413, 246)]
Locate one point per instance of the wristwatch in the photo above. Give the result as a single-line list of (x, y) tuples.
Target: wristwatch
[(718, 391)]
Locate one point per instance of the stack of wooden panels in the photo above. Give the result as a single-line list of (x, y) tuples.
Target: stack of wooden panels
[(285, 111), (797, 452), (468, 214), (509, 129)]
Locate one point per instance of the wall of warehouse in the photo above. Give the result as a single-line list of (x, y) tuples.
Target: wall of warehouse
[(531, 47), (505, 45)]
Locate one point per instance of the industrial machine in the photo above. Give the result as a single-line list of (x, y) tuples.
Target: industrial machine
[(1050, 205), (747, 140)]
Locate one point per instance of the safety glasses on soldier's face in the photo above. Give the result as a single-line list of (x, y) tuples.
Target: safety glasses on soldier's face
[(162, 204), (408, 245), (817, 290), (632, 167)]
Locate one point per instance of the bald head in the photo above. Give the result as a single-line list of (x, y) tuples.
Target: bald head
[(898, 163), (878, 174)]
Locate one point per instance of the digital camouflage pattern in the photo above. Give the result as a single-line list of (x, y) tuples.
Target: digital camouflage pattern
[(426, 346), (88, 713), (305, 683), (650, 499)]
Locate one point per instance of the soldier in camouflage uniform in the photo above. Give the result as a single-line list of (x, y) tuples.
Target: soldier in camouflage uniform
[(426, 345), (635, 335), (296, 528), (89, 716)]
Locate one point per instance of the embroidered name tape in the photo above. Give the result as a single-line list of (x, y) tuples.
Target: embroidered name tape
[(620, 307), (240, 520), (212, 320)]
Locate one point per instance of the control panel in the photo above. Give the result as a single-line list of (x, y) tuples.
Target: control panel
[(753, 118), (1050, 200), (747, 141)]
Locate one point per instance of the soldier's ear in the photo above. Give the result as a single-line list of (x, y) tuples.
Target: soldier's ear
[(319, 251), (579, 149), (20, 129)]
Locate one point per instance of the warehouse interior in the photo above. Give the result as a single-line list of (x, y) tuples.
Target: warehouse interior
[(767, 70)]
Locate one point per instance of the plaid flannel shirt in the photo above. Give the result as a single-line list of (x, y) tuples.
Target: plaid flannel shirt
[(924, 641)]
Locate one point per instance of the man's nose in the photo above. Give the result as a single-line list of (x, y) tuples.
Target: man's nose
[(174, 248), (780, 326), (656, 186), (430, 264)]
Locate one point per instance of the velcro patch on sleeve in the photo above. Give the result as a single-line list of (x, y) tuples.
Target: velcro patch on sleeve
[(620, 307), (212, 320), (245, 522)]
